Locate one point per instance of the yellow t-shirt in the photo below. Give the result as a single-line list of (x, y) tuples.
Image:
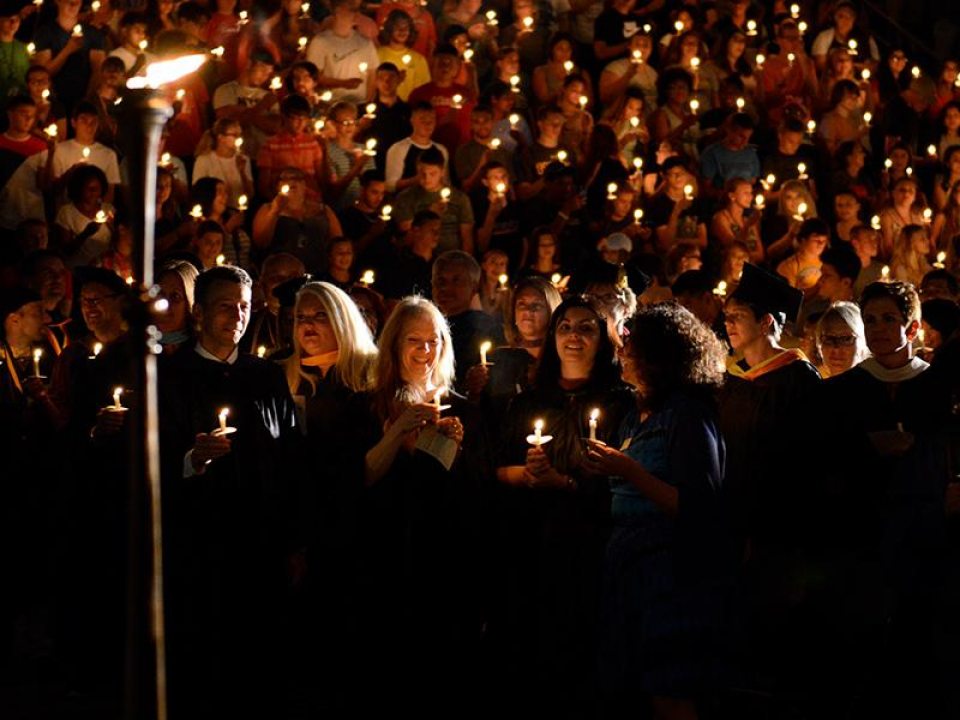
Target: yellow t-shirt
[(418, 72)]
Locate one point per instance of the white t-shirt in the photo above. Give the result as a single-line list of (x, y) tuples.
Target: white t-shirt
[(129, 58), (75, 221), (340, 57), (20, 198), (233, 93), (644, 80), (212, 165), (70, 152)]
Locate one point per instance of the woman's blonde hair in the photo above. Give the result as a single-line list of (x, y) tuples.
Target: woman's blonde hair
[(390, 390), (806, 196), (537, 284), (357, 353), (208, 141), (849, 314), (905, 256)]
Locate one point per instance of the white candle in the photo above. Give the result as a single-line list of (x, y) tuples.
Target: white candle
[(802, 26), (284, 189), (741, 103), (638, 164), (865, 74), (78, 30), (721, 289), (468, 55), (515, 83), (927, 215), (494, 143), (243, 16), (261, 351), (221, 259), (445, 194), (634, 122), (503, 280), (694, 106), (528, 23), (318, 124), (538, 432), (222, 417), (85, 154), (885, 272), (811, 126), (568, 66), (751, 27), (97, 347), (437, 397), (275, 84), (242, 202), (31, 48), (594, 414), (501, 189), (760, 200), (217, 52), (932, 150), (790, 59), (795, 10), (688, 192), (941, 262), (197, 212), (367, 278), (562, 156), (875, 222), (142, 45), (408, 58), (485, 348), (637, 215), (362, 67), (915, 72), (37, 354), (583, 101), (385, 212), (761, 59), (302, 42), (555, 279), (117, 392), (371, 147), (458, 101), (852, 46), (491, 16), (514, 120), (636, 57), (802, 171), (326, 96), (678, 26), (371, 109), (867, 117), (100, 217), (612, 191), (695, 63)]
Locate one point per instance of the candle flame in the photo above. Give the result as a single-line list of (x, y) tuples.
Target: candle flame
[(242, 201), (538, 424), (164, 72), (594, 414), (367, 278)]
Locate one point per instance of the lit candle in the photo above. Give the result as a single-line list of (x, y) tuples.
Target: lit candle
[(636, 57), (37, 354), (491, 16), (761, 59), (695, 63), (875, 222), (222, 417), (181, 94), (221, 259), (927, 215), (751, 27), (583, 102), (921, 338), (196, 212), (305, 8), (888, 163), (760, 200), (515, 83), (142, 45), (100, 217), (78, 30), (485, 348), (503, 280), (865, 74), (495, 143), (562, 156), (909, 171), (407, 59), (594, 414), (165, 158), (915, 72), (326, 96), (367, 278), (741, 103), (634, 122), (51, 130), (802, 171), (795, 10), (694, 106), (362, 67), (721, 289), (612, 191), (941, 262), (319, 124), (371, 111), (302, 42), (637, 216), (284, 189), (791, 57), (117, 392), (262, 351), (275, 84), (468, 55), (647, 28), (370, 148), (852, 46), (501, 189), (528, 23), (458, 100), (385, 212), (932, 150), (85, 154), (769, 181), (801, 211), (555, 279), (242, 201), (514, 119), (885, 272), (437, 397), (31, 48), (802, 26), (538, 433), (811, 126), (97, 347), (217, 52), (445, 194), (688, 192), (568, 66), (867, 117), (678, 26)]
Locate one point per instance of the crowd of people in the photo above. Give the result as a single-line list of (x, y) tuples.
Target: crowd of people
[(565, 358)]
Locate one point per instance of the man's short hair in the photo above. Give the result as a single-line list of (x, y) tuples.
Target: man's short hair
[(844, 260), (220, 273), (422, 106), (458, 257), (693, 282), (388, 67), (423, 217), (942, 275), (19, 101), (813, 226), (133, 17), (192, 12), (84, 107), (369, 176), (263, 57), (547, 110), (294, 105), (431, 156), (112, 62), (211, 226), (903, 294)]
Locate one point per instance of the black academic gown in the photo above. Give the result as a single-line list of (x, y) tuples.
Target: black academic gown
[(228, 533)]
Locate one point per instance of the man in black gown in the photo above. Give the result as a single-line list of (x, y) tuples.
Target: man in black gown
[(228, 525)]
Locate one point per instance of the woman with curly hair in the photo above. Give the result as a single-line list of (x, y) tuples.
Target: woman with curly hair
[(397, 40), (665, 567)]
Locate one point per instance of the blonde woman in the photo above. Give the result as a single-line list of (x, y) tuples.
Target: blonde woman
[(420, 571), (911, 250), (219, 156), (794, 205)]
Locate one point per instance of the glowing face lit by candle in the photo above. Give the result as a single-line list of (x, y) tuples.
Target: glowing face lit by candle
[(688, 192), (568, 66), (196, 212), (242, 202), (367, 278), (445, 194)]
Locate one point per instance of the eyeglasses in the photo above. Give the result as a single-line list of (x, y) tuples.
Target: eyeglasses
[(837, 341), (94, 302)]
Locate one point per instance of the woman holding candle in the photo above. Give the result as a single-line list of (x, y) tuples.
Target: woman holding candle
[(83, 234), (543, 253), (780, 229), (843, 121), (802, 268), (556, 512), (737, 220), (219, 156), (176, 280), (420, 586), (548, 79), (667, 559), (212, 196), (281, 32), (911, 251), (728, 59), (627, 116), (946, 225), (632, 74), (398, 38), (902, 210), (949, 173)]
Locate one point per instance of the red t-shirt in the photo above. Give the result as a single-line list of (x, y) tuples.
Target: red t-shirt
[(450, 133), (30, 146)]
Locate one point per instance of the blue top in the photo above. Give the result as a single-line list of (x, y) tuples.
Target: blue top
[(70, 84)]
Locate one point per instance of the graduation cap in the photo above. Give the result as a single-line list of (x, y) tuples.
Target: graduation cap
[(769, 293), (15, 298), (286, 292)]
